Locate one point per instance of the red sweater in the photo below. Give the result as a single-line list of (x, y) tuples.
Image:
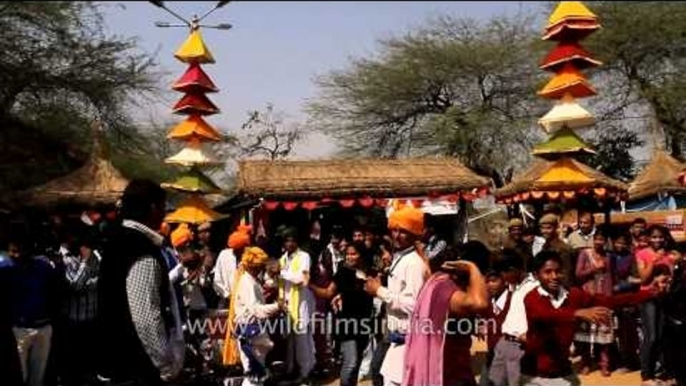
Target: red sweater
[(551, 331), (494, 336)]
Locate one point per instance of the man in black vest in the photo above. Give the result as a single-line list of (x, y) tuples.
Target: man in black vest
[(139, 313)]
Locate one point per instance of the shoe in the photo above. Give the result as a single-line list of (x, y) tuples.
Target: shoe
[(605, 373), (585, 371), (649, 382), (623, 370)]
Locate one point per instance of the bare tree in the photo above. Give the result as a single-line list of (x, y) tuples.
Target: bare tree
[(268, 135)]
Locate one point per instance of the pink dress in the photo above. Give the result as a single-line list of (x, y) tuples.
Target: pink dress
[(433, 358), (647, 255)]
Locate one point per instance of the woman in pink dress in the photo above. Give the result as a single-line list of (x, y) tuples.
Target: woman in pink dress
[(595, 277), (438, 347), (649, 260)]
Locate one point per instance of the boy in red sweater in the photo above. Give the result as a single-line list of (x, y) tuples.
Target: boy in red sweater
[(553, 312)]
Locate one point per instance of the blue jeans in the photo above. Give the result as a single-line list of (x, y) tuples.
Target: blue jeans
[(651, 325), (351, 352)]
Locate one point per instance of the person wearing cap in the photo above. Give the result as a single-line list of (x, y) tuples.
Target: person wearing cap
[(406, 276), (295, 276), (247, 311), (548, 226), (441, 355), (515, 241), (227, 262)]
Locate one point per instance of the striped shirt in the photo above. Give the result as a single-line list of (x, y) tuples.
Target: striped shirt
[(81, 302)]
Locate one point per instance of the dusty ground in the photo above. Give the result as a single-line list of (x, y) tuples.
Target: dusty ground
[(594, 379)]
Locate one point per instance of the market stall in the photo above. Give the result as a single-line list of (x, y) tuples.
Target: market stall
[(95, 184), (291, 191), (657, 187)]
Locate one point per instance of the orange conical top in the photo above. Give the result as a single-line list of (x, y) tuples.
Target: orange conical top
[(194, 128), (568, 81)]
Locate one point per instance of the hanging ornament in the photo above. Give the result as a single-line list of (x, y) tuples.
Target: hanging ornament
[(564, 141), (568, 52), (195, 104), (194, 50), (194, 81), (568, 81), (194, 128), (193, 181), (571, 20), (194, 210), (567, 113), (192, 155)]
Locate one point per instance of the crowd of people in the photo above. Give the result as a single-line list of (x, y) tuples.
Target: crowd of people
[(127, 300)]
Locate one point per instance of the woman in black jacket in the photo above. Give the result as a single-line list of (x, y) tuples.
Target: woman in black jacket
[(675, 326)]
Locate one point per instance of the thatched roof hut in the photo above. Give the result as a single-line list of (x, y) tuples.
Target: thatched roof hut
[(97, 182), (659, 176), (310, 180), (563, 178)]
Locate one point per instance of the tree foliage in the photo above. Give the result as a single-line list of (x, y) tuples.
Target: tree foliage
[(643, 47), (453, 87), (613, 152), (59, 72)]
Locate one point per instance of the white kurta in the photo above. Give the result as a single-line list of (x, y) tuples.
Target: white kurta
[(301, 343), (250, 308), (223, 273), (297, 279), (406, 278)]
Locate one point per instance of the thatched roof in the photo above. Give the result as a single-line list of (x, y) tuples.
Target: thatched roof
[(565, 175), (96, 182), (355, 178), (661, 175)]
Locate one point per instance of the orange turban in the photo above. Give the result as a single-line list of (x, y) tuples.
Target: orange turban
[(238, 240), (254, 257), (409, 219), (245, 229), (181, 236)]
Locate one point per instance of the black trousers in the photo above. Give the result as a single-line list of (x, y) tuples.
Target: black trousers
[(10, 367), (79, 347)]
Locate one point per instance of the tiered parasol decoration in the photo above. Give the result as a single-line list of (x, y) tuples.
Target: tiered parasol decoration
[(560, 176), (194, 132)]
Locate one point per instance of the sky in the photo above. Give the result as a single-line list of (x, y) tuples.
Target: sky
[(276, 49)]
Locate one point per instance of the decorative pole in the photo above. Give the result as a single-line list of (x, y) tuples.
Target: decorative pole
[(194, 132), (557, 175)]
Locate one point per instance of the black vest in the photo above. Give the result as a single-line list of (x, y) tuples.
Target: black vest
[(125, 357)]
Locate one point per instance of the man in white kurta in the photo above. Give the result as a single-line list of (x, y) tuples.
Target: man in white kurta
[(226, 265), (251, 308), (300, 303), (406, 277)]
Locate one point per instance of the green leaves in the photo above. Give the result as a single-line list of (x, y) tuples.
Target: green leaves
[(454, 86)]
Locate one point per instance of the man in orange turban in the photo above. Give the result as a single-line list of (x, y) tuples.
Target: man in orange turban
[(226, 263), (406, 277), (181, 236), (247, 310)]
